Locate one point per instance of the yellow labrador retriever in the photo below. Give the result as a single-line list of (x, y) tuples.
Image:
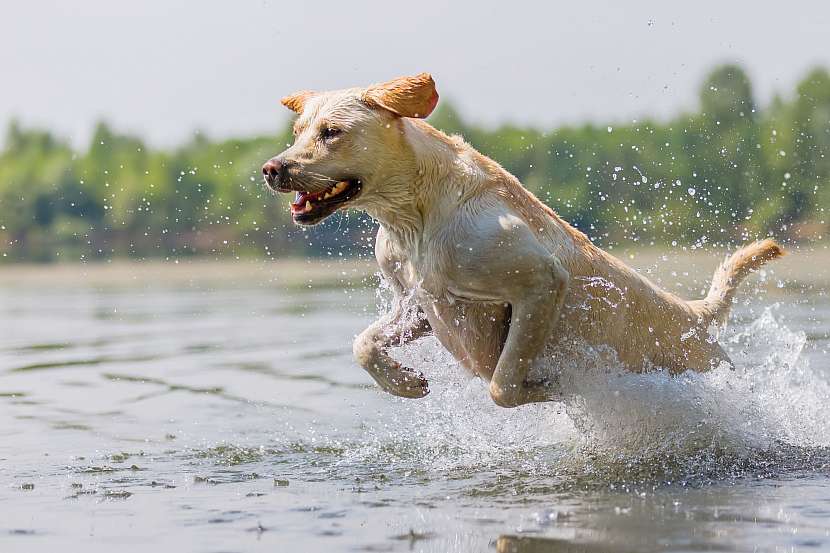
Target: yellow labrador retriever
[(474, 257)]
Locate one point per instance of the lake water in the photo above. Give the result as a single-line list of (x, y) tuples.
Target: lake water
[(228, 415)]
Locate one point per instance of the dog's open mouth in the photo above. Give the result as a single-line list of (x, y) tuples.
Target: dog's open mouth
[(308, 208)]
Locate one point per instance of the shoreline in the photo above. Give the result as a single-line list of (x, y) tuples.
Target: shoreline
[(671, 269), (288, 272)]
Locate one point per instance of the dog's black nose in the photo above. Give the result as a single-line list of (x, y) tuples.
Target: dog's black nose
[(273, 171)]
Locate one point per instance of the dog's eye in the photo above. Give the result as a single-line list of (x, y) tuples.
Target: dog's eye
[(329, 132)]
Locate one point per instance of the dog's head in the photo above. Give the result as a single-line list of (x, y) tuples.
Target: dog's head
[(343, 142)]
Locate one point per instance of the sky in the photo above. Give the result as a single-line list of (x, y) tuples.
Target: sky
[(166, 69)]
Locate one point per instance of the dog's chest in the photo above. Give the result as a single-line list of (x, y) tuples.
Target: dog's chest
[(473, 331)]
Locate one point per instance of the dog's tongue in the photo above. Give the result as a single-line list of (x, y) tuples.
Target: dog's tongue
[(301, 198)]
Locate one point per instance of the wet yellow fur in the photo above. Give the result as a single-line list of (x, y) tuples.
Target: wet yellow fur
[(496, 275)]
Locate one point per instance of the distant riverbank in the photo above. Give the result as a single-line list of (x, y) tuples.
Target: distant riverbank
[(675, 270), (289, 273)]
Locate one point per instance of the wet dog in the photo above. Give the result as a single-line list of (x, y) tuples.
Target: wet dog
[(475, 258)]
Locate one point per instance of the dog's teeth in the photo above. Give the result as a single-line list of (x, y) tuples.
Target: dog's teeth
[(326, 196), (307, 206)]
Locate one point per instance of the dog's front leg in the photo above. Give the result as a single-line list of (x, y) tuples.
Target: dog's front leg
[(371, 345), (536, 297)]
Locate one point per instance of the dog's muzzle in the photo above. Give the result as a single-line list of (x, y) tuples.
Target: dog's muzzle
[(274, 173)]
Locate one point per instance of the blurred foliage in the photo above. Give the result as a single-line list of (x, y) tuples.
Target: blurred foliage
[(725, 174)]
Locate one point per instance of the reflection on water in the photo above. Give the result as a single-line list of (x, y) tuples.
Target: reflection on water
[(530, 544), (230, 416)]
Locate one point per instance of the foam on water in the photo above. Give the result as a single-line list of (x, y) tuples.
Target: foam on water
[(767, 416)]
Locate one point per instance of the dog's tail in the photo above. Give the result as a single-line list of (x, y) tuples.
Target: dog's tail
[(729, 274)]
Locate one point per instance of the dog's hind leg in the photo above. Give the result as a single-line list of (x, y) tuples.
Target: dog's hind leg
[(703, 357), (710, 356)]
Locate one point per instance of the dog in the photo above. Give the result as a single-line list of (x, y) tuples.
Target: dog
[(475, 258)]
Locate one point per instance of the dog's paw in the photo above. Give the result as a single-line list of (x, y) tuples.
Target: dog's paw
[(543, 389), (409, 383), (398, 380)]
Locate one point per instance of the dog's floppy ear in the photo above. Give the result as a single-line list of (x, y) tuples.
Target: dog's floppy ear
[(296, 102), (405, 96)]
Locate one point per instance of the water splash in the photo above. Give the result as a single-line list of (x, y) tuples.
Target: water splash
[(768, 416)]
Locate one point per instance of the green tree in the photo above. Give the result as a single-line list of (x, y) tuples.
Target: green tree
[(811, 146)]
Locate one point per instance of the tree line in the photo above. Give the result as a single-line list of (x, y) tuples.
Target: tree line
[(728, 172)]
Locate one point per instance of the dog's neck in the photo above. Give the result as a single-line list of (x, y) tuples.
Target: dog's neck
[(428, 181), (436, 175)]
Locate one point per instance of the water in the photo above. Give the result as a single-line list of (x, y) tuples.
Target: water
[(227, 415)]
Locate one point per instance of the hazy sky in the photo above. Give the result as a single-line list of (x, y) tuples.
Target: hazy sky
[(165, 68)]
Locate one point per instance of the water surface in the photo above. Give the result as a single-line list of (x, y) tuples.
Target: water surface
[(229, 416)]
